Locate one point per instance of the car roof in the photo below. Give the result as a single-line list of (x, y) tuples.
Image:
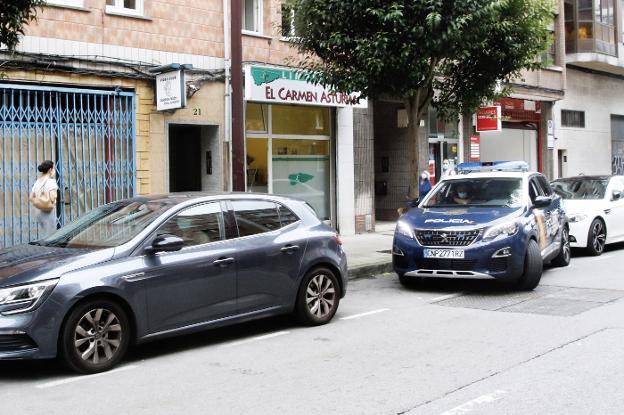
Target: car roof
[(177, 198), (492, 174), (581, 177)]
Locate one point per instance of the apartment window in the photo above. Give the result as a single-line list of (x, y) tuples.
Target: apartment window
[(548, 56), (590, 26), (130, 7), (573, 118), (252, 16), (70, 3), (289, 21)]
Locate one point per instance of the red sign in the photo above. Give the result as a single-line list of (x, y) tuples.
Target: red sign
[(475, 142), (489, 119)]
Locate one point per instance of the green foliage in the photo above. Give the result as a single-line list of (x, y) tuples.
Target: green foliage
[(14, 15), (411, 48)]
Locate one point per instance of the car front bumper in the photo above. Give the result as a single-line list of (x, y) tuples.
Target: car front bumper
[(478, 262), (579, 232)]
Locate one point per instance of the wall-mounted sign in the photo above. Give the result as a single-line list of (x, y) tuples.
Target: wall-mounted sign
[(489, 119), (170, 90), (286, 86), (475, 142)]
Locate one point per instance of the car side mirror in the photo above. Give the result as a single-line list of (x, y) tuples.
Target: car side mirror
[(617, 195), (542, 202), (165, 243)]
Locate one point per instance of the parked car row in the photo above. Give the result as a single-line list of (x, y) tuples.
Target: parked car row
[(151, 267)]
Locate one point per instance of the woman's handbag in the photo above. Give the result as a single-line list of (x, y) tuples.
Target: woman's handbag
[(42, 200)]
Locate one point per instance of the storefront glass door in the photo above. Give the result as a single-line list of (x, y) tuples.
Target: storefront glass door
[(288, 153)]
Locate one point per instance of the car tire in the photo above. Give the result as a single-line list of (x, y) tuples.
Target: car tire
[(596, 237), (533, 266), (318, 297), (563, 258), (95, 336)]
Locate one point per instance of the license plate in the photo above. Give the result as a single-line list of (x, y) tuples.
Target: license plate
[(444, 253)]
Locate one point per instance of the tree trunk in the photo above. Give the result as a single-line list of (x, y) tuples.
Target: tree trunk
[(418, 141)]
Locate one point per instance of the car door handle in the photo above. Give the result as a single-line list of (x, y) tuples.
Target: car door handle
[(223, 262), (290, 248)]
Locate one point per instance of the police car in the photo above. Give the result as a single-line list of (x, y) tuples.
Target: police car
[(493, 220)]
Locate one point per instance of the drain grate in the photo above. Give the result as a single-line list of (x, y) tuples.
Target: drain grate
[(546, 300)]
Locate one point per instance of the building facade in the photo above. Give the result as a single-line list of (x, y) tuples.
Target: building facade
[(81, 91), (590, 119)]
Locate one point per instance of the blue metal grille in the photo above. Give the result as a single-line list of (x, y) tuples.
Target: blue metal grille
[(90, 134)]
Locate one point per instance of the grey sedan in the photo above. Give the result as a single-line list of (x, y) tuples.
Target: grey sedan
[(151, 267)]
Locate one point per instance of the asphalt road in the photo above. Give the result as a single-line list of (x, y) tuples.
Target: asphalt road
[(448, 347)]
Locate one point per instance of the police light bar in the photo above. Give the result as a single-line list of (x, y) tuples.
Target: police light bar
[(465, 168)]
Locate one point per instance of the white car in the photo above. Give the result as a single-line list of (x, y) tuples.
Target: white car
[(595, 208)]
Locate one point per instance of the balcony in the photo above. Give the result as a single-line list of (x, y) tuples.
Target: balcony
[(590, 35)]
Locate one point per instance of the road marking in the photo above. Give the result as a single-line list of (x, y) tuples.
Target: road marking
[(445, 297), (257, 338), (471, 405), (368, 313), (83, 377)]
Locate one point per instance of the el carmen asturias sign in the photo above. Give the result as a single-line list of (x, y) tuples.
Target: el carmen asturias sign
[(489, 119), (286, 86)]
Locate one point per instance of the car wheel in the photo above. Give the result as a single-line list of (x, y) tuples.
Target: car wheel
[(533, 266), (318, 297), (563, 258), (95, 336), (596, 238)]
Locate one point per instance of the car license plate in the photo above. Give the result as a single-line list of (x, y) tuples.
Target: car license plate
[(444, 253)]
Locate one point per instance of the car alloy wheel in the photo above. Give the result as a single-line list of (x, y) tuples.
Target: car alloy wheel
[(565, 240), (320, 296), (98, 336), (599, 236)]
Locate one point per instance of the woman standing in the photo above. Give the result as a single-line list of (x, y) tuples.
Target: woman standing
[(43, 198)]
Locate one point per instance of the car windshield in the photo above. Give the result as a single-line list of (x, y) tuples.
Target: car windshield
[(499, 192), (581, 188), (107, 226)]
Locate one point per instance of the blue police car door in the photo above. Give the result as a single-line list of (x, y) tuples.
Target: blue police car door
[(547, 218)]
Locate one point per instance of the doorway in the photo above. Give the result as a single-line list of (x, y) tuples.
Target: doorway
[(194, 158), (440, 150)]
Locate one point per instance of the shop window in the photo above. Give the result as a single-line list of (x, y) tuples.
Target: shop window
[(132, 7), (301, 120), (573, 118), (252, 16), (439, 127), (257, 165), (256, 118)]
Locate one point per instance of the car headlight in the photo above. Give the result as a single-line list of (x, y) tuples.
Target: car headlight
[(404, 229), (23, 298), (507, 229), (577, 217)]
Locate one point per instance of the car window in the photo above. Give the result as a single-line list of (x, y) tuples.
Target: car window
[(286, 215), (490, 191), (581, 188), (534, 189), (197, 225), (545, 186), (618, 184), (256, 216)]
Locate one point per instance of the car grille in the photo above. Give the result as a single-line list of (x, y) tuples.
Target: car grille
[(14, 342), (447, 238), (447, 264)]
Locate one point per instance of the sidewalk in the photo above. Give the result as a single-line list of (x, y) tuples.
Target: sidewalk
[(369, 254)]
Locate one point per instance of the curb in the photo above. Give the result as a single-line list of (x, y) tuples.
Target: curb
[(367, 271)]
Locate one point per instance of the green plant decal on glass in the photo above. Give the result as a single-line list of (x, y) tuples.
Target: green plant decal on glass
[(299, 178)]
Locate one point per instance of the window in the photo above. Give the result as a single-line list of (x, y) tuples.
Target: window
[(573, 118), (590, 26), (546, 189), (252, 16), (286, 215), (70, 3), (132, 7), (255, 216), (549, 55), (290, 23), (197, 225)]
